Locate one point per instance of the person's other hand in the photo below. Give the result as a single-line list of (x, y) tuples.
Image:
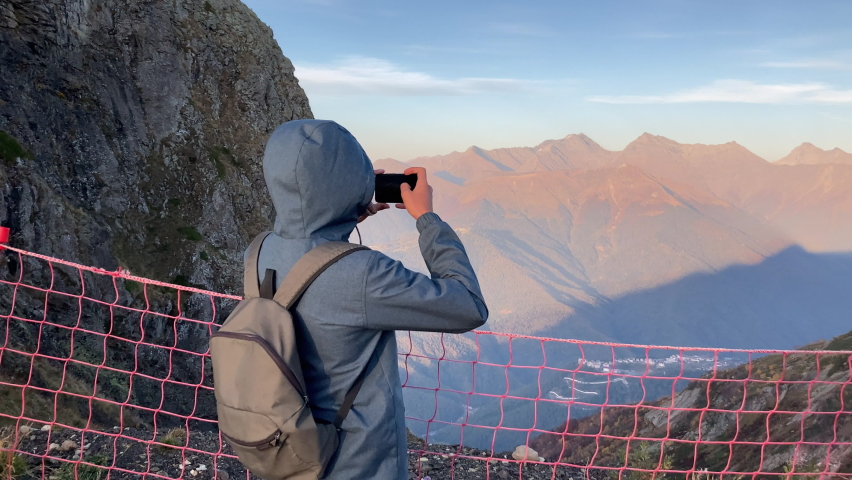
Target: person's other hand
[(419, 200), (374, 208)]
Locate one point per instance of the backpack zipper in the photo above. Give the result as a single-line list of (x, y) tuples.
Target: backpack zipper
[(265, 444), (271, 352)]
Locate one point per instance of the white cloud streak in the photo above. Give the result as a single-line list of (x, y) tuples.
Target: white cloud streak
[(810, 64), (739, 91), (357, 75)]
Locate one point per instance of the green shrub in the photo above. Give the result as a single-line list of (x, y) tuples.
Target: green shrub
[(10, 149), (843, 342), (191, 233), (209, 8)]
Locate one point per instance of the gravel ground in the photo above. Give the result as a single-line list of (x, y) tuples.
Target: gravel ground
[(129, 451), (52, 455), (441, 466)]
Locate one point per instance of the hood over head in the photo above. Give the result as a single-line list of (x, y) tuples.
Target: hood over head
[(319, 178)]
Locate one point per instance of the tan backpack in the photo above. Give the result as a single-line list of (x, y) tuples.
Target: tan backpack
[(261, 399)]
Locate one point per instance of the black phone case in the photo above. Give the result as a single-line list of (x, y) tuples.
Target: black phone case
[(387, 186)]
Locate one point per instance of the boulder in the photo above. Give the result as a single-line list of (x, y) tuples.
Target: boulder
[(523, 452)]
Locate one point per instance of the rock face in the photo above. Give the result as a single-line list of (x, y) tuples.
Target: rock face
[(131, 135), (143, 125)]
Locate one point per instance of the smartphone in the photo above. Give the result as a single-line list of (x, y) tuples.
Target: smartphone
[(387, 186)]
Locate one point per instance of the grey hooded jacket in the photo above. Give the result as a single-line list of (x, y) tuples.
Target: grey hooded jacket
[(320, 181)]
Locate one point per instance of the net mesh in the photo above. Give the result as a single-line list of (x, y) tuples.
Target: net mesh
[(105, 374)]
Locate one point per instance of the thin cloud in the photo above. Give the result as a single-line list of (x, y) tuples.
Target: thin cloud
[(415, 48), (522, 29), (808, 41), (739, 91), (810, 64), (357, 75), (656, 35), (833, 96)]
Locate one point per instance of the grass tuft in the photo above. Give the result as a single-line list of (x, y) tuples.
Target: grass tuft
[(132, 286), (175, 437), (76, 471), (217, 155), (12, 465)]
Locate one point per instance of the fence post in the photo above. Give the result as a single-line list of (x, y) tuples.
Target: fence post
[(4, 237)]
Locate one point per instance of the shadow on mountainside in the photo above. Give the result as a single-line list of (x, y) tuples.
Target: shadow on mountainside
[(788, 300)]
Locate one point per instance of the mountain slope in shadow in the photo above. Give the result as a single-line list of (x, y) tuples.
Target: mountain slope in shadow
[(767, 437), (790, 298)]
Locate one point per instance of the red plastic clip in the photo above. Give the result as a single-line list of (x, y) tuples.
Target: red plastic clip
[(4, 236)]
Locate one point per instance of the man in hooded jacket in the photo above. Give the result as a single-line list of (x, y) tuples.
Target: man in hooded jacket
[(322, 183)]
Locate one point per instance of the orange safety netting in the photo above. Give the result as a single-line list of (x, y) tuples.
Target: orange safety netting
[(105, 373)]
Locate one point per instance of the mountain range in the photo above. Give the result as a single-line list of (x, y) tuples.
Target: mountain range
[(808, 154), (574, 240), (660, 244)]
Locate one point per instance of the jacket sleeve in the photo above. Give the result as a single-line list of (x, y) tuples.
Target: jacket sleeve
[(396, 298)]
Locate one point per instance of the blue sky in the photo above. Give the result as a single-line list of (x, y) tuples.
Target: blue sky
[(426, 78)]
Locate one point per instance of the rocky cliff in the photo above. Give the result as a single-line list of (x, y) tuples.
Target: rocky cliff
[(134, 131), (131, 135)]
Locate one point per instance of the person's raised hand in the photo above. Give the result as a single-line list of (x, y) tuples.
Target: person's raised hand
[(374, 208), (419, 200)]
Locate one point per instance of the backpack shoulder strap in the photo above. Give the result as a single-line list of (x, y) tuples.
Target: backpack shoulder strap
[(349, 399), (308, 268), (250, 285)]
